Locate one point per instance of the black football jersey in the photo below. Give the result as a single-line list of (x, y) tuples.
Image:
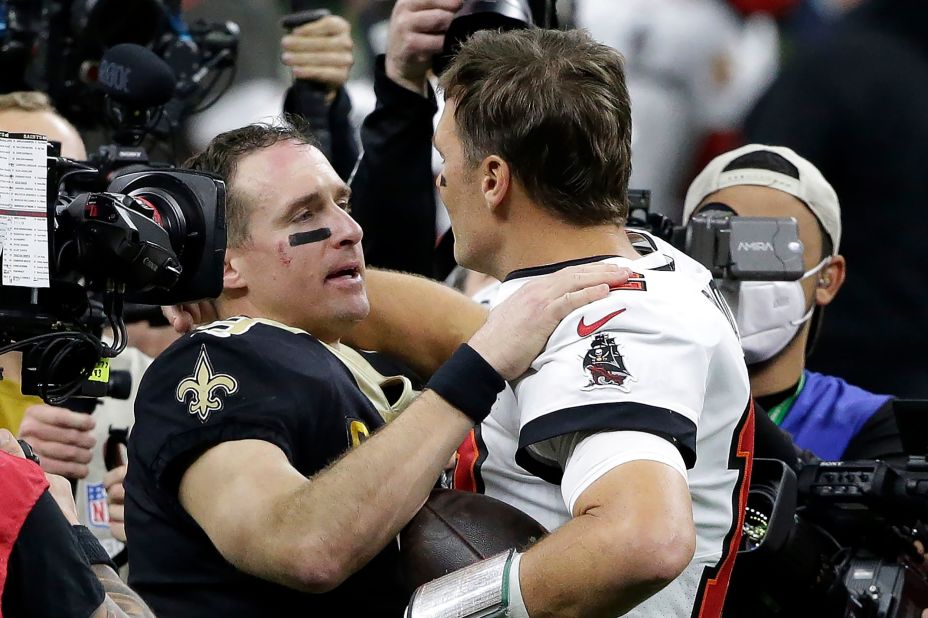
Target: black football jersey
[(240, 379)]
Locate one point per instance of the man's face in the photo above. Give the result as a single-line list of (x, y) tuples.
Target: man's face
[(51, 125), (460, 191), (758, 201), (317, 286)]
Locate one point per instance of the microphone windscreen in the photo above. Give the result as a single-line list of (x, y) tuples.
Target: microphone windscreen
[(135, 76)]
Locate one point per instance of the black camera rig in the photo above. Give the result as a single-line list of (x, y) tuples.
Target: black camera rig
[(836, 540), (57, 46), (155, 236), (733, 248), (120, 228)]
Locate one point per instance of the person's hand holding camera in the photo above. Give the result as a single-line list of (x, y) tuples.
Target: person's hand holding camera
[(320, 51), (63, 439), (417, 32)]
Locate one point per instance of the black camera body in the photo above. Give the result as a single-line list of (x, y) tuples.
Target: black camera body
[(745, 248), (57, 47), (155, 236), (836, 540), (732, 248)]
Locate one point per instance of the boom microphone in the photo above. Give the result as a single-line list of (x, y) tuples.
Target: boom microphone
[(136, 77)]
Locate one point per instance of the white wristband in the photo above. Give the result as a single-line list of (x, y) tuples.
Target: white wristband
[(516, 607)]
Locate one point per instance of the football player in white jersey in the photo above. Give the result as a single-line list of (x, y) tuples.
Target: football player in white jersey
[(630, 436)]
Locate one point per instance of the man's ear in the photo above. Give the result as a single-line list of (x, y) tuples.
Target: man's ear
[(233, 277), (496, 181), (830, 280)]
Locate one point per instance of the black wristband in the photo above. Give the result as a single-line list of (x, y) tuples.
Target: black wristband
[(91, 547), (468, 382)]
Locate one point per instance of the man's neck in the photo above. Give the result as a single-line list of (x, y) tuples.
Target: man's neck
[(550, 241), (782, 371)]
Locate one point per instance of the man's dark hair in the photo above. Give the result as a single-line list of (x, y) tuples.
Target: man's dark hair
[(771, 161), (555, 107), (222, 155)]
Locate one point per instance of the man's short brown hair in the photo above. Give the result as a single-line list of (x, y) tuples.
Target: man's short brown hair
[(555, 107), (222, 155)]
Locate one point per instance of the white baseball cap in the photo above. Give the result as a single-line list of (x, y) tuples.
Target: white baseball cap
[(810, 187)]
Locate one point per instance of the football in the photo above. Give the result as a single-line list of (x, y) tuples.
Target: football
[(454, 529)]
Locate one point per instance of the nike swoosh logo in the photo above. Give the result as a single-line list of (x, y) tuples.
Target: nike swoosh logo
[(583, 329)]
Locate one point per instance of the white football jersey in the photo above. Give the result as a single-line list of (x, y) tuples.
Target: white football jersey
[(659, 356)]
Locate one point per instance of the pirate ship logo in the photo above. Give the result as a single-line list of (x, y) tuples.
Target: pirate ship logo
[(604, 366)]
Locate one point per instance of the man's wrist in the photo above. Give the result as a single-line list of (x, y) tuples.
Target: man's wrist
[(90, 546), (468, 382), (488, 588), (392, 71)]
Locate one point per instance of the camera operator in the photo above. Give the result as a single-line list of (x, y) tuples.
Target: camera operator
[(32, 112), (73, 443), (50, 565), (778, 319), (393, 195)]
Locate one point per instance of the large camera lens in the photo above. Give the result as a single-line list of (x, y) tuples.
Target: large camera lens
[(190, 206)]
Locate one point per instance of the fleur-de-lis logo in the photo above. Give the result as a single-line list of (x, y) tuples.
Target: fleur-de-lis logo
[(204, 385)]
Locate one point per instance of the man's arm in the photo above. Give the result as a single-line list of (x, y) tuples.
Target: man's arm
[(47, 557), (416, 320), (627, 540), (328, 526), (321, 56), (121, 600), (393, 189)]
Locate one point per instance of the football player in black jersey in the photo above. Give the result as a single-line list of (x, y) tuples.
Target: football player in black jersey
[(244, 496)]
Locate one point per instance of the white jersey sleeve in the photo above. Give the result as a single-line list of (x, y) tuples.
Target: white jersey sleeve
[(634, 361)]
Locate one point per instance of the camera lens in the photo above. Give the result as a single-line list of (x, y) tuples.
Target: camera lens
[(167, 213)]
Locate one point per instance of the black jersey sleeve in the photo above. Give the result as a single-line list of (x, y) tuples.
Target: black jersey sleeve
[(214, 387)]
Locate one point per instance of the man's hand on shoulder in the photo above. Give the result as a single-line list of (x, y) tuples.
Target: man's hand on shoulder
[(184, 318), (517, 330)]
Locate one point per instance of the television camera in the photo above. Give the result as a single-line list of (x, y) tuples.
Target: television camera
[(155, 236), (733, 248), (836, 540), (118, 228)]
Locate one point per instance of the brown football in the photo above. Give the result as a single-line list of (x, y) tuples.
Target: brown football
[(454, 529)]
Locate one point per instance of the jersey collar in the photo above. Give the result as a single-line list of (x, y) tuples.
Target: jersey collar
[(546, 269)]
